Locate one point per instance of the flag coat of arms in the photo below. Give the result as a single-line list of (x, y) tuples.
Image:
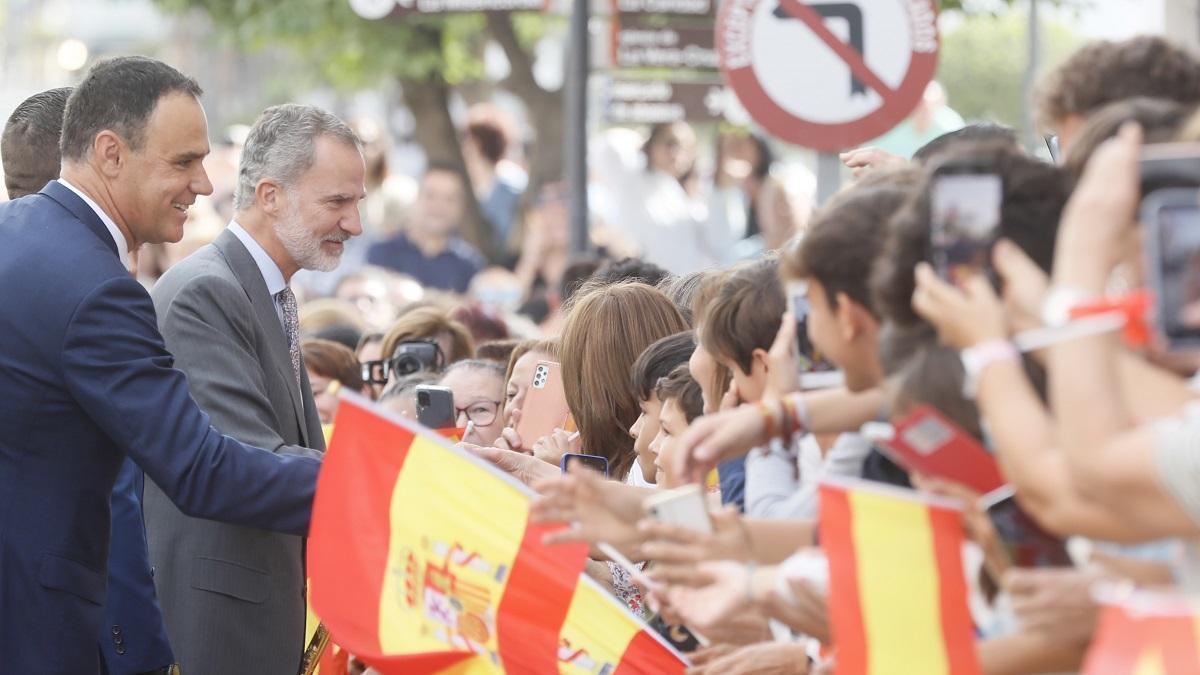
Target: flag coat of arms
[(897, 592), (422, 559)]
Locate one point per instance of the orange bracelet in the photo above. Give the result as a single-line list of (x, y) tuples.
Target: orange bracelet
[(769, 419)]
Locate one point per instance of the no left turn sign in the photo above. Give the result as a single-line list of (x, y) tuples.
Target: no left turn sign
[(828, 75)]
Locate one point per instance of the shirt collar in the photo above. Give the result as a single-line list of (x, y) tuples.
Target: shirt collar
[(266, 266), (118, 238)]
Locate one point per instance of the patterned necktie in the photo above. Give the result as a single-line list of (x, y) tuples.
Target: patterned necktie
[(291, 327)]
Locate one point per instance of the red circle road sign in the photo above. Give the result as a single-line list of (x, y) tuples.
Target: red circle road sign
[(828, 75)]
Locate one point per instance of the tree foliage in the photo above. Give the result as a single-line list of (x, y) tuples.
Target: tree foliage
[(983, 64)]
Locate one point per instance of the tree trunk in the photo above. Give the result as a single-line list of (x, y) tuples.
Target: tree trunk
[(429, 101), (545, 107)]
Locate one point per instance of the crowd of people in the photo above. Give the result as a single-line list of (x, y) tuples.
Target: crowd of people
[(684, 364)]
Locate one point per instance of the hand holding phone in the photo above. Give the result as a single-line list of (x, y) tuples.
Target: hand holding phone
[(435, 406), (1025, 542), (682, 507), (927, 442), (1172, 221)]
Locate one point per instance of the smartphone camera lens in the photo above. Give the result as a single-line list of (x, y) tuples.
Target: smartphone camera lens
[(423, 399)]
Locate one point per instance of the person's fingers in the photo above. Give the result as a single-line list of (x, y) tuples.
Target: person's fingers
[(657, 530), (977, 287), (786, 335), (709, 654), (664, 552), (685, 576), (567, 535), (1012, 263)]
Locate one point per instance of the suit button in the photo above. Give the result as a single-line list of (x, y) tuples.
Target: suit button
[(118, 640), (116, 630), (120, 650)]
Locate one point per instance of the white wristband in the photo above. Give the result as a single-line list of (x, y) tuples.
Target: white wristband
[(976, 359), (1056, 308)]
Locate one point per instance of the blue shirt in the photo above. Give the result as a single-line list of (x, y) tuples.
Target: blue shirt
[(452, 269)]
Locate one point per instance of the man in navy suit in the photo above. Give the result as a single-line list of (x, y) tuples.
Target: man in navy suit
[(85, 380), (133, 639)]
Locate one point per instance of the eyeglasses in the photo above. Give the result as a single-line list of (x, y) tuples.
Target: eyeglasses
[(481, 413), (410, 357), (374, 372)]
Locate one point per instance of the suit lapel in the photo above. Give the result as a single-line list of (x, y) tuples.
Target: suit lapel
[(79, 208), (250, 277)]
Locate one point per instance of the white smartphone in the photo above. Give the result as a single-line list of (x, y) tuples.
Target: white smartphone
[(682, 506)]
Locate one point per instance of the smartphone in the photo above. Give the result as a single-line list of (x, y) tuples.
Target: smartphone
[(594, 462), (816, 372), (682, 506), (927, 442), (435, 406), (545, 406), (1025, 542), (414, 356), (1169, 165), (1053, 148), (1172, 219), (964, 213)]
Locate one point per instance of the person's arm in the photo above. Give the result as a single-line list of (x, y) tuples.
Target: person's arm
[(209, 327), (771, 482), (1023, 653), (114, 364)]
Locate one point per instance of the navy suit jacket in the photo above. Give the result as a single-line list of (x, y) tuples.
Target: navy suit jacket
[(133, 638), (85, 381)]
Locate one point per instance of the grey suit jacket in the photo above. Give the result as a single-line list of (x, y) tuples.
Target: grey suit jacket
[(232, 597)]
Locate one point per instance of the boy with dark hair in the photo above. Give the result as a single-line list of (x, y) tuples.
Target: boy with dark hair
[(656, 362), (680, 402), (30, 142)]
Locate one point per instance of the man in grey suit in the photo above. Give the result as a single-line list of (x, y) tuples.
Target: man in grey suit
[(233, 597)]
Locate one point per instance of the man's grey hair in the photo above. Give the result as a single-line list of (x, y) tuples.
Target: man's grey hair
[(282, 144)]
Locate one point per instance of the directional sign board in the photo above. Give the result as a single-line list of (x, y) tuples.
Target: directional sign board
[(658, 101), (828, 75), (641, 43)]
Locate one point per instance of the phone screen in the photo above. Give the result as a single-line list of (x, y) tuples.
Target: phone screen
[(1179, 271), (594, 462), (1026, 543), (965, 210), (810, 360)]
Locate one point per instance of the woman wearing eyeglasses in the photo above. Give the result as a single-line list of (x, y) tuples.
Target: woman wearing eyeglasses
[(478, 388)]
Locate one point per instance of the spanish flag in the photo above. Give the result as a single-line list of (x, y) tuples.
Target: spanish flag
[(422, 559), (897, 592), (1144, 633)]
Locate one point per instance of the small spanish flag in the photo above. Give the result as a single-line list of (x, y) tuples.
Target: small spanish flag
[(897, 592), (422, 559), (1144, 633)]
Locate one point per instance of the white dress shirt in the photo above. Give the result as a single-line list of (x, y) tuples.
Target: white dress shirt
[(118, 238), (271, 273)]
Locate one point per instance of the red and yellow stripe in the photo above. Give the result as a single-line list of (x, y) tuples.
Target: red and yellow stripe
[(1151, 635), (898, 596), (422, 559)]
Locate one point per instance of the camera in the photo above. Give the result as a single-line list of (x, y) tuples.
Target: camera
[(414, 356)]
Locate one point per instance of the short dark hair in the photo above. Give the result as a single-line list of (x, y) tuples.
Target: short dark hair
[(745, 313), (1101, 72), (681, 387), (1034, 194), (29, 146), (496, 350), (659, 359), (843, 243), (119, 94), (333, 360), (630, 269), (972, 133)]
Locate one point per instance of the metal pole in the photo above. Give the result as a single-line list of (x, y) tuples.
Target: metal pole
[(1034, 58), (578, 68), (829, 175)]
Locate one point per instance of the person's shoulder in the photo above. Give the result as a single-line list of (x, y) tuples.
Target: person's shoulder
[(467, 253)]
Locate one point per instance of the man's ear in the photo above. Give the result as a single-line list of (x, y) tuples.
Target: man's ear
[(109, 153), (269, 196)]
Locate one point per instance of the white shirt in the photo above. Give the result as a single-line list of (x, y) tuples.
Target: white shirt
[(271, 273), (118, 238)]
